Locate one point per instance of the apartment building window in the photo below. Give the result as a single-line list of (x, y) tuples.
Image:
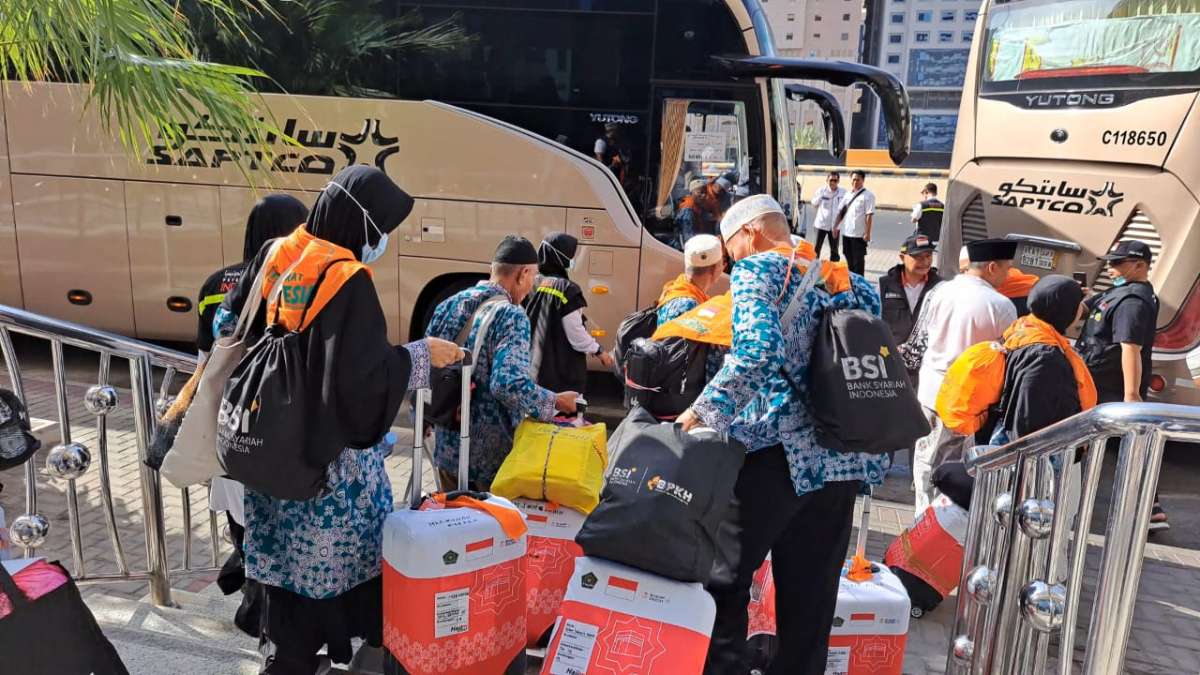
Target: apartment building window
[(966, 36), (893, 59), (817, 17), (970, 15), (897, 18), (921, 36), (845, 36), (895, 38), (789, 37), (945, 37), (924, 16), (845, 17), (816, 36), (949, 15), (791, 17)]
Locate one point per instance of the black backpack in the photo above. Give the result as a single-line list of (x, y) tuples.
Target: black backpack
[(665, 376), (263, 438), (665, 499), (639, 325), (859, 392), (445, 384), (17, 444)]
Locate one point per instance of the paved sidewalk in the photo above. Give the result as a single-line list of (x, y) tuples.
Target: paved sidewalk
[(1165, 637)]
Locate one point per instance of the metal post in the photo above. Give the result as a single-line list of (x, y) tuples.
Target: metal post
[(142, 386), (1124, 546), (1087, 502), (110, 516), (18, 387), (64, 434), (1012, 571)]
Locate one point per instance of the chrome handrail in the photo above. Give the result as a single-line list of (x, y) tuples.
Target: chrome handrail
[(71, 461), (1023, 558)]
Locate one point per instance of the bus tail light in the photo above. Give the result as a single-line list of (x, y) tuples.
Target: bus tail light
[(599, 333), (1157, 383), (1183, 330)]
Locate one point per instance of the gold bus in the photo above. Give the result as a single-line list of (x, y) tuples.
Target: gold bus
[(88, 236), (1077, 129)]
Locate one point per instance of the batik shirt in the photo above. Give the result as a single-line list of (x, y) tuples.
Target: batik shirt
[(751, 400), (504, 393), (325, 546), (675, 308)]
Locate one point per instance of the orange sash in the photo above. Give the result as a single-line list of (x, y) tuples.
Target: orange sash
[(315, 256), (711, 323), (1018, 284), (680, 287), (1029, 330)]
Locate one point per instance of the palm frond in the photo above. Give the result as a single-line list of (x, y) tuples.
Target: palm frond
[(139, 57)]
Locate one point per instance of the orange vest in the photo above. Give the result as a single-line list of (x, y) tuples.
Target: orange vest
[(315, 256), (712, 321), (1018, 284), (680, 287)]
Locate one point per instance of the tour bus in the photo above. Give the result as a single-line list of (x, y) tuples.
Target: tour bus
[(1077, 130), (494, 138)]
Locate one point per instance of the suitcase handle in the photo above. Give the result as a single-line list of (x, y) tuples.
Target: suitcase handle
[(421, 397)]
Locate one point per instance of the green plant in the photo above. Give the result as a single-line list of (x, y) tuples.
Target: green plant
[(810, 137), (329, 47), (140, 59)]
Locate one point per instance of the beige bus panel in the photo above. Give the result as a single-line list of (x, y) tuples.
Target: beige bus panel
[(1013, 132), (235, 208), (10, 269), (169, 260), (71, 236), (1184, 161), (469, 230)]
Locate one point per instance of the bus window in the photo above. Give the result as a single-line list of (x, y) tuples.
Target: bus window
[(1034, 44), (702, 141)]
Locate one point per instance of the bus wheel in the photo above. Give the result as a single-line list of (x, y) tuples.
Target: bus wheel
[(431, 298)]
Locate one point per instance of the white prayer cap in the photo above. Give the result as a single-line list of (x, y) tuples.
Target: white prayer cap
[(696, 184), (747, 210), (964, 258), (702, 250)]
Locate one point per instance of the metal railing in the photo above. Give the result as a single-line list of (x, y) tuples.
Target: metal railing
[(71, 460), (1026, 544)]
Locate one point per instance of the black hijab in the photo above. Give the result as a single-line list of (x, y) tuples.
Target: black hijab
[(272, 217), (1055, 299), (551, 264), (336, 217)]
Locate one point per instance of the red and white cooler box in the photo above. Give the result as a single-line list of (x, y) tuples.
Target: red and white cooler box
[(617, 620), (870, 624), (549, 563), (453, 591), (931, 549)]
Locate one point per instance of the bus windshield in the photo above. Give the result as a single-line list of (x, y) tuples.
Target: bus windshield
[(1039, 44)]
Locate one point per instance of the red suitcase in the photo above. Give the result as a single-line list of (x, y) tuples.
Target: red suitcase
[(549, 562), (453, 575)]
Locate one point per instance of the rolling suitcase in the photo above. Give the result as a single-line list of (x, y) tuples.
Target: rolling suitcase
[(617, 620), (549, 562), (927, 557), (453, 574), (870, 623)]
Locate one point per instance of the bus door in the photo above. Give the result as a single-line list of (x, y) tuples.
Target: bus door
[(701, 136)]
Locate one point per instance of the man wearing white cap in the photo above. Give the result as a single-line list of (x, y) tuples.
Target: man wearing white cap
[(703, 260), (793, 498)]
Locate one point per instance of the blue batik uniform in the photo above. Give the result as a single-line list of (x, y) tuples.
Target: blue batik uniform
[(675, 308), (504, 393), (752, 400)]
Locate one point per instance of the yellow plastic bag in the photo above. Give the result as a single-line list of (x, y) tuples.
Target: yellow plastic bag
[(553, 463)]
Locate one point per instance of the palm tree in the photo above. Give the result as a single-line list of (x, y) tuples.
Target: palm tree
[(329, 47), (140, 59)]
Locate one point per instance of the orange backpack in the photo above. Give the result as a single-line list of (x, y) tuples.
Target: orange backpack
[(973, 384)]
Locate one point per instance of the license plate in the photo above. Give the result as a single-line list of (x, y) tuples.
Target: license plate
[(1038, 256)]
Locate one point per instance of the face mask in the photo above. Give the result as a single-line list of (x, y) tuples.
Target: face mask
[(369, 253), (570, 262), (1120, 281)]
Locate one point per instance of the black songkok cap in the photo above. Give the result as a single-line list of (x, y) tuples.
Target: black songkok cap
[(514, 250), (987, 250)]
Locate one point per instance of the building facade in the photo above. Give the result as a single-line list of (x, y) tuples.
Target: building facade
[(925, 43), (821, 29)]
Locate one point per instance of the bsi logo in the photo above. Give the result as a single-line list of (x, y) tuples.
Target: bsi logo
[(622, 477), (870, 367), (235, 419)]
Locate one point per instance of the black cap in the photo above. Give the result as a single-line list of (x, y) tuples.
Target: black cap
[(1130, 249), (987, 250), (917, 243), (514, 250)]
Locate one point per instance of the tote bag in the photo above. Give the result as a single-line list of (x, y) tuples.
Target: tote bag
[(193, 456)]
